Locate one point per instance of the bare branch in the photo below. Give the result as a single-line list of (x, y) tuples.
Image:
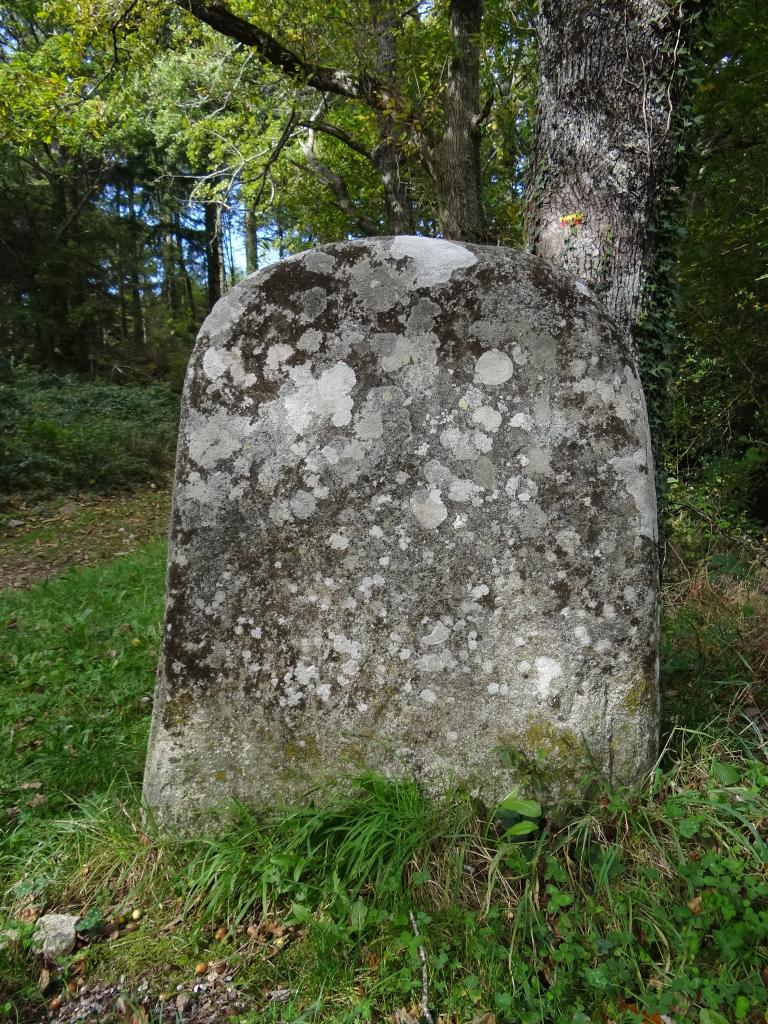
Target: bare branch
[(281, 142)]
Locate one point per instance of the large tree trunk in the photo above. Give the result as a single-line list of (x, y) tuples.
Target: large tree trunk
[(455, 160), (603, 143)]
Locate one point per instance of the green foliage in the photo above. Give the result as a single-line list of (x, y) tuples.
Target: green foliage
[(719, 416), (64, 434)]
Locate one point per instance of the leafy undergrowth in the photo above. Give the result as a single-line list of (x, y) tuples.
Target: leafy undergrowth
[(632, 906), (60, 435)]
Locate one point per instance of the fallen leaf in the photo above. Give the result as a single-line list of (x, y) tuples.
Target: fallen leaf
[(694, 905), (37, 801), (278, 995), (31, 785), (402, 1016)]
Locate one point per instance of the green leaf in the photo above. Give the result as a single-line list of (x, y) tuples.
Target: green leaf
[(726, 774), (525, 808), (357, 914), (711, 1017), (522, 828)]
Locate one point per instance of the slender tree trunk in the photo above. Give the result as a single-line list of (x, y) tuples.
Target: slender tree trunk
[(137, 308), (455, 160), (251, 230), (213, 251), (603, 143), (184, 272)]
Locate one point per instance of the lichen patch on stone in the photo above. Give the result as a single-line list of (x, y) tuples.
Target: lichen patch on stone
[(414, 522)]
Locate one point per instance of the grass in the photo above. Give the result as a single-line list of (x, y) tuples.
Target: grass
[(642, 903)]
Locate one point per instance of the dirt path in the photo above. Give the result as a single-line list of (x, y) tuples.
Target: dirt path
[(39, 541)]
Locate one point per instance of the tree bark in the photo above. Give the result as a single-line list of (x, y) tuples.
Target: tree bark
[(213, 251), (455, 160), (386, 156), (251, 232), (603, 143)]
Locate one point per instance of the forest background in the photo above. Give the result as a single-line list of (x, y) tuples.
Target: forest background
[(147, 162)]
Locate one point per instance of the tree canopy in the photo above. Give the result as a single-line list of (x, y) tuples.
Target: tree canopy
[(153, 152)]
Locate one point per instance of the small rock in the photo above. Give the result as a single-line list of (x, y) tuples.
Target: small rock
[(56, 934), (13, 524)]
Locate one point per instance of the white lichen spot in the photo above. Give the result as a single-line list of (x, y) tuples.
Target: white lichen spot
[(582, 636), (310, 341), (303, 504), (338, 542), (280, 512), (428, 508), (493, 367), (328, 395), (522, 421), (487, 417), (481, 441), (568, 540), (438, 635), (427, 696), (460, 490), (216, 362), (369, 425), (547, 671), (435, 259), (277, 355)]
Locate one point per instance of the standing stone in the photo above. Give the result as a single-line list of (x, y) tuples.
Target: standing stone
[(414, 527)]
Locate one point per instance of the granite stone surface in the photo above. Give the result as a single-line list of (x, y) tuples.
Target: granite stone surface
[(414, 531)]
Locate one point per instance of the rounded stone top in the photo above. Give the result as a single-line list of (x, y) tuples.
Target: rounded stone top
[(414, 522)]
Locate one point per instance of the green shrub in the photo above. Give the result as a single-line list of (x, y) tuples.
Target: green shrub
[(62, 434)]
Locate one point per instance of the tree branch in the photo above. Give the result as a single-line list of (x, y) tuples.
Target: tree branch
[(338, 186), (337, 133), (334, 80)]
